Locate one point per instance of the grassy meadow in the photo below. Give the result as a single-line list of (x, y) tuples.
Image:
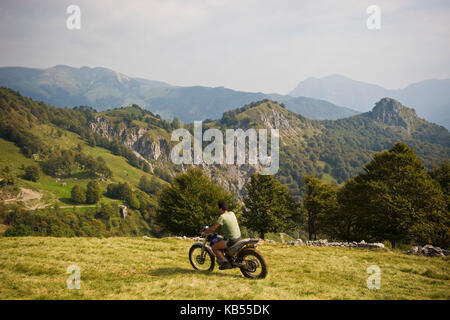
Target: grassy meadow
[(137, 268), (58, 191)]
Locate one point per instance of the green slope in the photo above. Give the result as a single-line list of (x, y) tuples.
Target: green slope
[(57, 191), (133, 268), (32, 131)]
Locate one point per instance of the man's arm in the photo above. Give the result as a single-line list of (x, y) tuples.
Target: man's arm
[(211, 229)]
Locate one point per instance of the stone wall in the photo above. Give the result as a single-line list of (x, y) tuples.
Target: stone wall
[(325, 243), (429, 251)]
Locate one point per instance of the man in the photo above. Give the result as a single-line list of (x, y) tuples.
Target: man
[(230, 230)]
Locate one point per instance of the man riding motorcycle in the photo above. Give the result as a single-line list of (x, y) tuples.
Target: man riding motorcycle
[(230, 229)]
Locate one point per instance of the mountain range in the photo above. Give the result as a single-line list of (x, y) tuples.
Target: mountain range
[(331, 149), (430, 98), (103, 89)]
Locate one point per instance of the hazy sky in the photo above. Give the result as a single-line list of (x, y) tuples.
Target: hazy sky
[(250, 45)]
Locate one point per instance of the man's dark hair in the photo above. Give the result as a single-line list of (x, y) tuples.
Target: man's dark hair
[(223, 205)]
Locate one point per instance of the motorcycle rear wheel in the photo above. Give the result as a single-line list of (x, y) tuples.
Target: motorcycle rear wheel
[(205, 262), (253, 261)]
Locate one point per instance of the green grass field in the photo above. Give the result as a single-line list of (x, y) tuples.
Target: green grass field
[(137, 268), (56, 191)]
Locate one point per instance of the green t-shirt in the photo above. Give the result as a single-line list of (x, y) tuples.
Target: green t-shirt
[(230, 226)]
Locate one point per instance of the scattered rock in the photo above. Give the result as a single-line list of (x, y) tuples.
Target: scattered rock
[(297, 242), (146, 237), (376, 245), (429, 251), (190, 238), (282, 238)]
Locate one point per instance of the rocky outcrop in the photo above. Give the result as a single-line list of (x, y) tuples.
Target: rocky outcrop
[(148, 145), (429, 251), (393, 113), (153, 149), (138, 139), (232, 178), (123, 211)]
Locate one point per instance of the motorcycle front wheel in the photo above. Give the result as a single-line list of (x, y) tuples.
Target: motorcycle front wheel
[(202, 261)]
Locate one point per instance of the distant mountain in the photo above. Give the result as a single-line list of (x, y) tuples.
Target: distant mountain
[(103, 89), (430, 98), (200, 103), (66, 86)]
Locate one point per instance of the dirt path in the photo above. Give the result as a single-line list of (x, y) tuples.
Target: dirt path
[(82, 206), (30, 198)]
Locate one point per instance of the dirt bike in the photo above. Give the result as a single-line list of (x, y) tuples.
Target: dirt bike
[(242, 255)]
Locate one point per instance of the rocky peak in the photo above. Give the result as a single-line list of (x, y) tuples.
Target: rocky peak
[(393, 113)]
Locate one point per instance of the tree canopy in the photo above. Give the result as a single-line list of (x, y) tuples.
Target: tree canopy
[(190, 202), (269, 207)]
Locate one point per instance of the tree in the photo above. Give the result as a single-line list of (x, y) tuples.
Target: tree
[(32, 173), (150, 185), (321, 207), (348, 224), (93, 192), (119, 190), (176, 123), (442, 175), (396, 199), (190, 202), (133, 201), (78, 194), (269, 207)]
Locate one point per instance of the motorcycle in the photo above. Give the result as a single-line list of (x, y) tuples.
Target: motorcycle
[(242, 255)]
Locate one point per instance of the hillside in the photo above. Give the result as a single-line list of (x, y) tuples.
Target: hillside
[(136, 142), (430, 98), (333, 150), (133, 268), (103, 89), (337, 150), (60, 143)]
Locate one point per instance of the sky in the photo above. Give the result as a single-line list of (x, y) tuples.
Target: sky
[(250, 45)]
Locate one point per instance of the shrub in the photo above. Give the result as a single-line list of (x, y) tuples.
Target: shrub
[(78, 194), (93, 192), (32, 173)]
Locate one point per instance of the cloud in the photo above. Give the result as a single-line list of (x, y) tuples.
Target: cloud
[(255, 45)]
